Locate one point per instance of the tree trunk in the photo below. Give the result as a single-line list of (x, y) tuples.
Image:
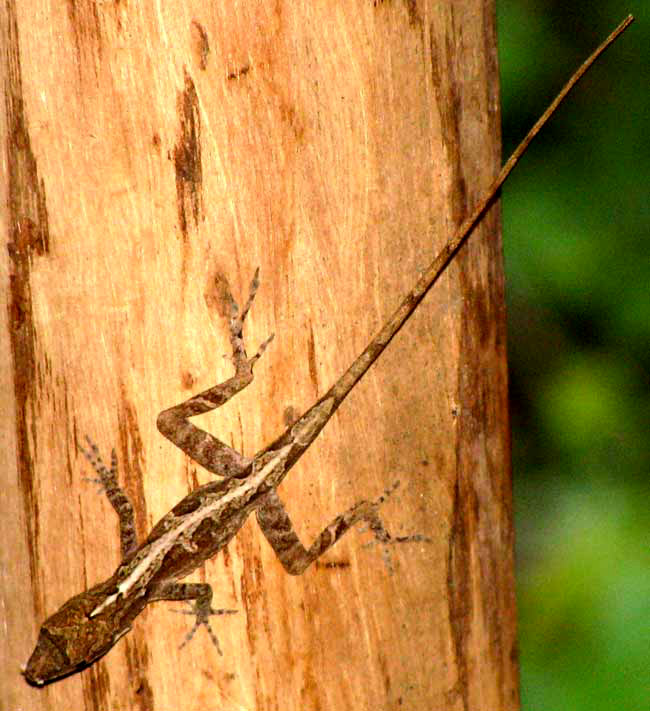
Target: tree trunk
[(156, 153)]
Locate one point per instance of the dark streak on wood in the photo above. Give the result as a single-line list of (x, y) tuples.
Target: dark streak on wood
[(415, 19), (187, 157), (85, 22), (191, 475), (481, 533), (200, 44), (137, 660), (216, 294), (293, 118), (289, 415), (482, 383), (144, 692), (187, 380), (252, 584), (131, 458), (461, 572), (447, 89), (459, 595), (311, 359), (333, 564), (82, 540), (28, 240), (97, 687), (490, 52), (239, 73), (385, 676), (486, 490), (70, 437)]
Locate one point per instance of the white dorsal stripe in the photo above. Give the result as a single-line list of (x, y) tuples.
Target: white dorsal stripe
[(160, 547)]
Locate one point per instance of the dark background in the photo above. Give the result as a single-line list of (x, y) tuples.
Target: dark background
[(576, 216)]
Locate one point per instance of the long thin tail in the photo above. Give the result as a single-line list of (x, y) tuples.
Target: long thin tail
[(339, 391), (410, 302)]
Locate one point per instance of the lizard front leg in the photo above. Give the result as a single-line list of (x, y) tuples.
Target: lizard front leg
[(278, 530), (204, 448), (202, 609), (115, 494)]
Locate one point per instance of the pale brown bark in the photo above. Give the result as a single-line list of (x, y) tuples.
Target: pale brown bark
[(154, 151)]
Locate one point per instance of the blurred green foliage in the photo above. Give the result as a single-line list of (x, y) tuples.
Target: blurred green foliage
[(576, 217)]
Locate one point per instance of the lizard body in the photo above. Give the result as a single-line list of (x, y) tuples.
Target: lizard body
[(90, 623), (197, 528)]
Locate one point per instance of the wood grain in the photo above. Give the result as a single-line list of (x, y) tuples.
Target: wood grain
[(154, 153)]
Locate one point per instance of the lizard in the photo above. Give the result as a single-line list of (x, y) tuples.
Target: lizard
[(88, 625)]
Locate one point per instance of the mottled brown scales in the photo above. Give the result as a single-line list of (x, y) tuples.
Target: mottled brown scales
[(89, 624)]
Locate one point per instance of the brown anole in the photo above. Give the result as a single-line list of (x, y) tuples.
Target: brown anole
[(197, 528)]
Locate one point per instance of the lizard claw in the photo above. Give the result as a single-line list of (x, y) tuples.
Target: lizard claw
[(261, 350)]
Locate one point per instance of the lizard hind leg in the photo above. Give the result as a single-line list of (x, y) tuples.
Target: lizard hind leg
[(278, 530)]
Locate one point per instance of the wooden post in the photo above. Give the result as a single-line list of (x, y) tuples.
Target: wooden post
[(155, 152)]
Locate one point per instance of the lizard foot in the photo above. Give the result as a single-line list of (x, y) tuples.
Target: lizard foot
[(107, 477), (382, 536), (239, 357), (202, 613)]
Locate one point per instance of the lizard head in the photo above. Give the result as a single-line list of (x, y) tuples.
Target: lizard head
[(71, 639)]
